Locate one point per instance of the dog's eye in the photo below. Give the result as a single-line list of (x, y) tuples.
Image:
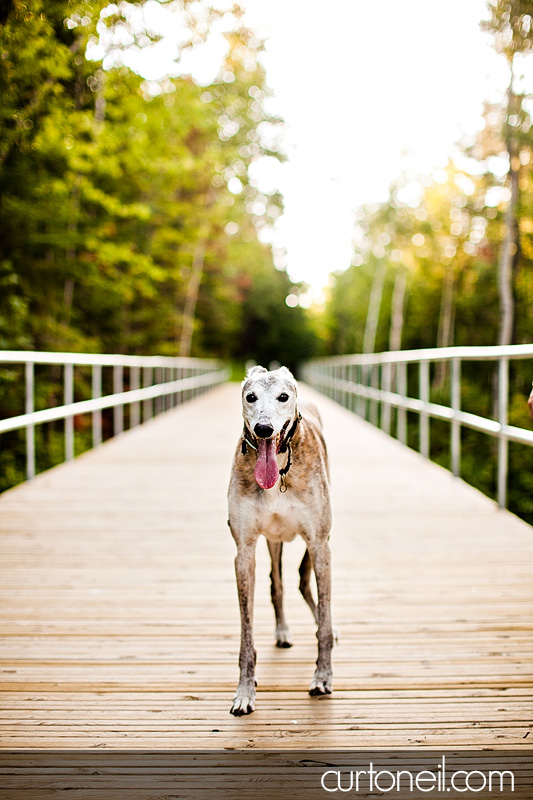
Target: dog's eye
[(283, 398), (251, 398)]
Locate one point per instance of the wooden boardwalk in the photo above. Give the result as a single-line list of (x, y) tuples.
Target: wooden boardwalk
[(119, 619)]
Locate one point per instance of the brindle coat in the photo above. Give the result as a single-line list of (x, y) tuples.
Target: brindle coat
[(303, 509)]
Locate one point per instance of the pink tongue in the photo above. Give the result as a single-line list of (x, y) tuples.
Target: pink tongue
[(266, 468)]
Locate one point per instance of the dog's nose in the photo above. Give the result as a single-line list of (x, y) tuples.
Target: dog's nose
[(263, 431)]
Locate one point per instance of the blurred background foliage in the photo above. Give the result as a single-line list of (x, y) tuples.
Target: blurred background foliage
[(130, 222), (447, 260)]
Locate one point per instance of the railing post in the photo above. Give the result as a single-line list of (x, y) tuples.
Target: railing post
[(366, 383), (386, 407), (503, 444), (185, 395), (424, 417), (68, 394), (401, 422), (135, 408), (180, 391), (374, 404), (118, 388), (352, 377), (348, 397), (167, 372), (158, 382), (361, 402), (97, 415), (30, 429), (456, 426), (148, 405), (175, 399)]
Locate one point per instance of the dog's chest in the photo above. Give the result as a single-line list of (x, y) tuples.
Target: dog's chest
[(280, 516)]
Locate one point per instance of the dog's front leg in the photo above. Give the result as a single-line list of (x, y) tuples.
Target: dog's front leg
[(244, 700), (322, 682)]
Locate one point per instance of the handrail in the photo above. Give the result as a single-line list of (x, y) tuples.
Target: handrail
[(166, 380), (489, 353), (103, 360), (368, 377)]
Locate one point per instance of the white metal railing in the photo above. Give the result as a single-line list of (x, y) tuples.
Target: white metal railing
[(355, 379), (165, 383)]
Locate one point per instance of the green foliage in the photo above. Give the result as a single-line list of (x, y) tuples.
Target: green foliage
[(446, 232), (111, 187), (108, 183)]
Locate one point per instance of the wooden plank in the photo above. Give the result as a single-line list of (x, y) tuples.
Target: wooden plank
[(119, 620)]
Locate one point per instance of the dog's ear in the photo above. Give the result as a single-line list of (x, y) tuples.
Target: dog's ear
[(255, 371), (287, 373), (252, 372)]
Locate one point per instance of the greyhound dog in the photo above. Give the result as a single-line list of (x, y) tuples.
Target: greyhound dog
[(279, 487)]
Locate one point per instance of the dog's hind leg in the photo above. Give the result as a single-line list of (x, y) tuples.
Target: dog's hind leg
[(283, 633), (305, 571)]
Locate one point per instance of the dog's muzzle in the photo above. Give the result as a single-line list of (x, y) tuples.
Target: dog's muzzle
[(263, 431)]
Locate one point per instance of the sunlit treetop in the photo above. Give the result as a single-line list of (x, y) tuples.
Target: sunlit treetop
[(511, 24)]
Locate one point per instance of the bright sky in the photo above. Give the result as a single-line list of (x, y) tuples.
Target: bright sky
[(367, 91)]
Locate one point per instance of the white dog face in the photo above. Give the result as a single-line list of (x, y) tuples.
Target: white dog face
[(269, 409), (268, 401)]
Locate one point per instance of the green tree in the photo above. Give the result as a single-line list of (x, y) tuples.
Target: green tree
[(510, 24)]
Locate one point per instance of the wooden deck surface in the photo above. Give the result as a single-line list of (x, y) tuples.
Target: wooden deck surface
[(119, 619)]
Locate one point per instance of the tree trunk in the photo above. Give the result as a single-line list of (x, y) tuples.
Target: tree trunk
[(507, 257), (100, 102), (446, 323), (195, 279), (191, 298), (510, 243), (72, 227), (70, 254), (397, 308), (374, 305)]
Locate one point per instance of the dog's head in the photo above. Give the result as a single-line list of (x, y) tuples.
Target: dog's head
[(268, 401), (269, 410)]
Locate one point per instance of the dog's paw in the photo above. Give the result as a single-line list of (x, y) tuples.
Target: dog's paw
[(243, 702), (321, 684), (283, 636)]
